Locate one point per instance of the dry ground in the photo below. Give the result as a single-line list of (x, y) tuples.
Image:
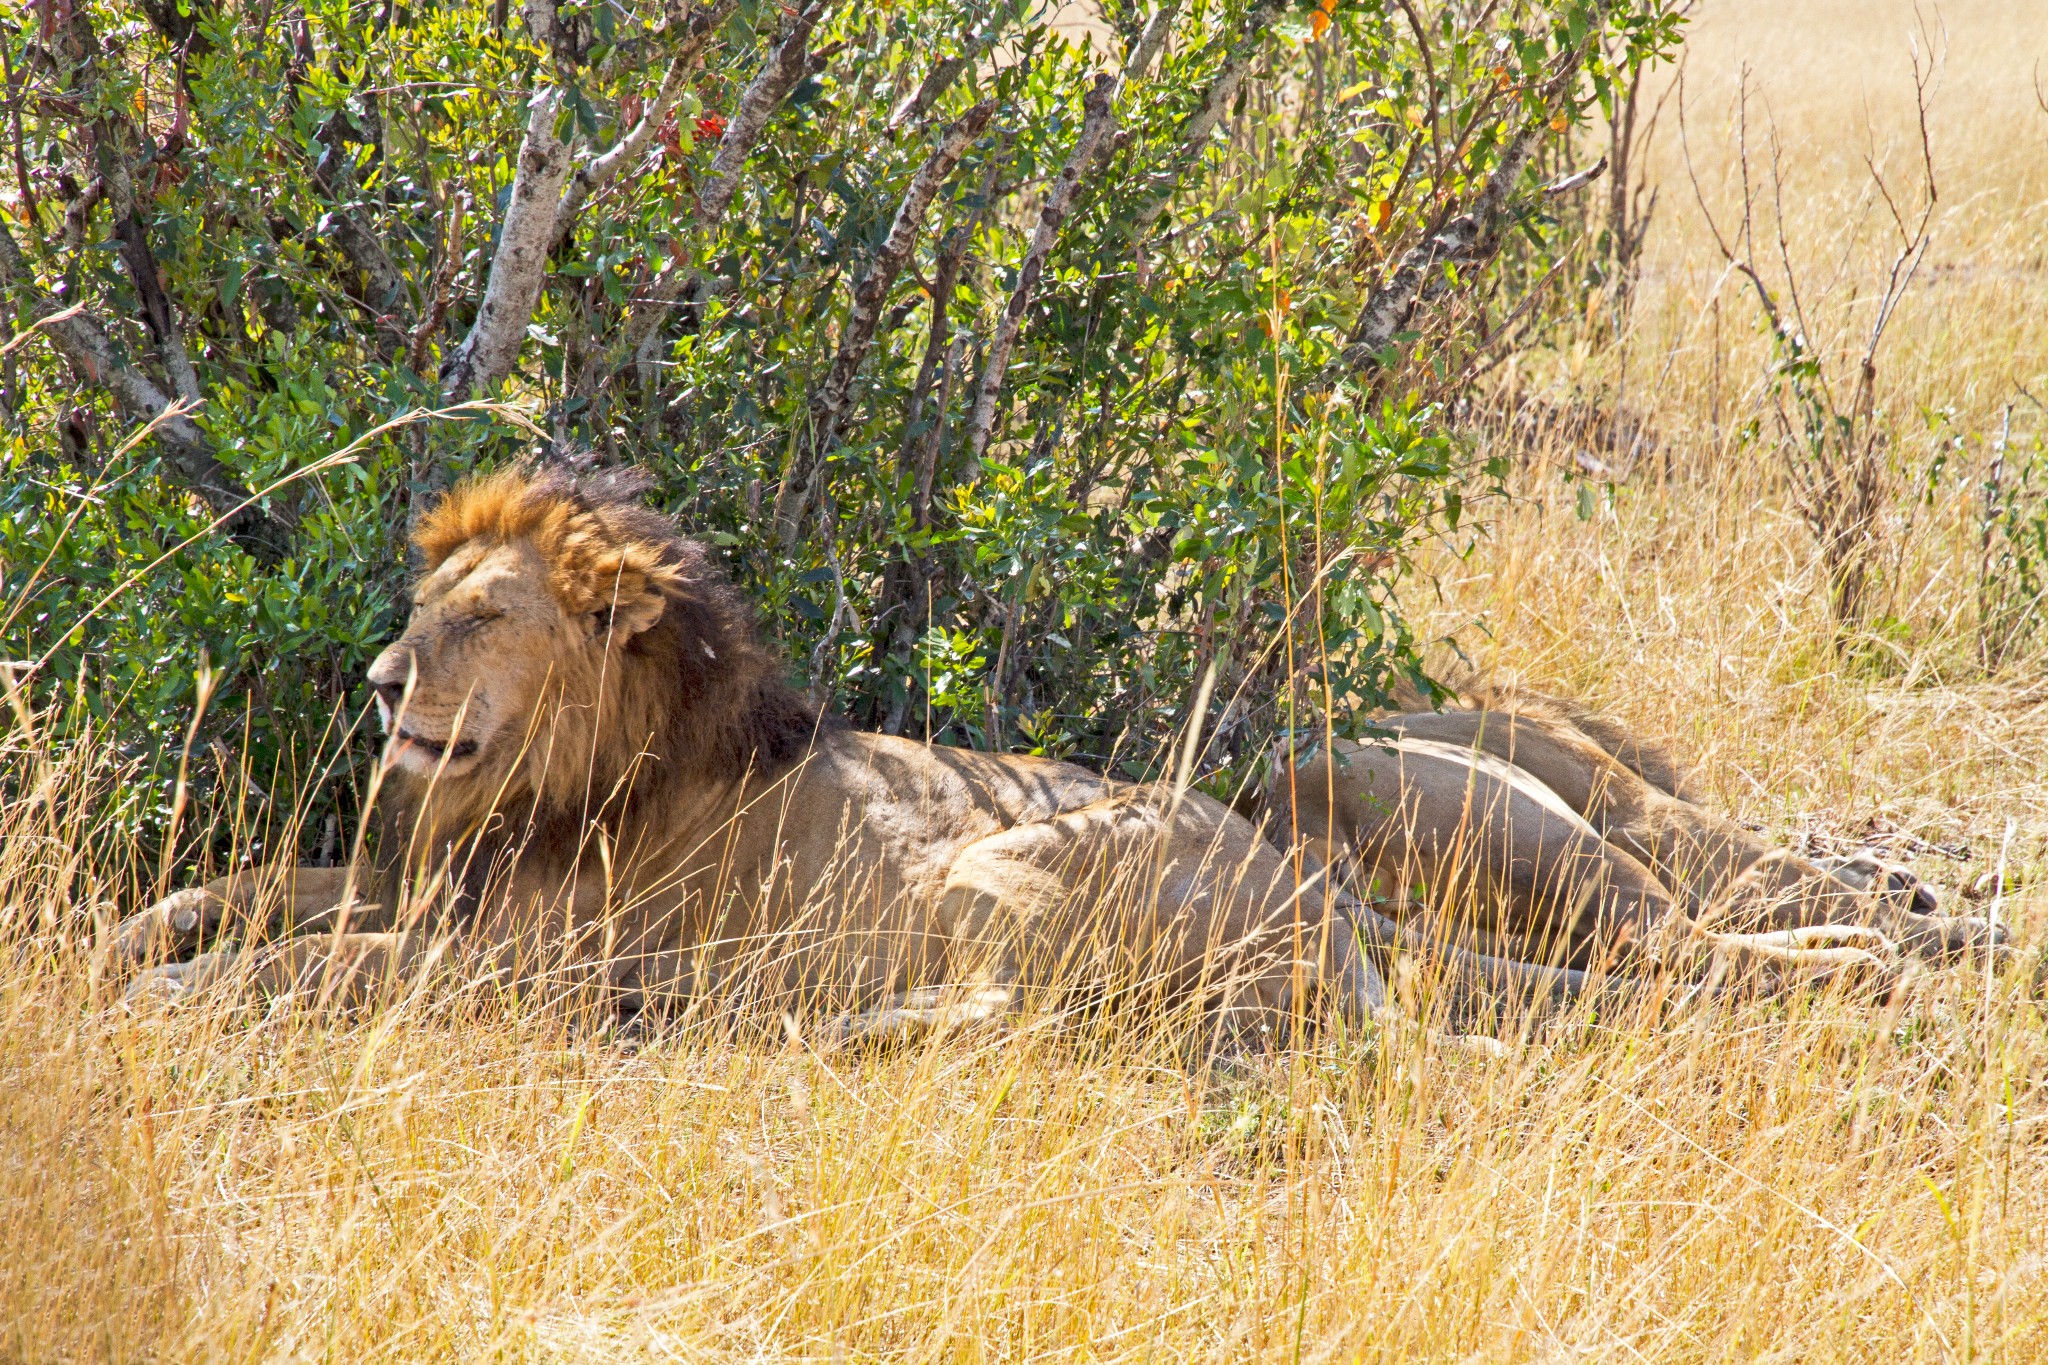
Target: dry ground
[(1803, 1182)]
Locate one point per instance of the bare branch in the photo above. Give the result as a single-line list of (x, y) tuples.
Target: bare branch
[(1096, 123), (381, 286), (596, 173), (82, 342), (784, 70), (442, 289), (1431, 87), (855, 338), (1196, 130), (1465, 239), (1577, 180), (786, 66), (1914, 242), (1736, 264), (519, 269), (1833, 455), (859, 331)]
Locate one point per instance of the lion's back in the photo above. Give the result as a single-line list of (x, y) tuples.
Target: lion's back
[(952, 787)]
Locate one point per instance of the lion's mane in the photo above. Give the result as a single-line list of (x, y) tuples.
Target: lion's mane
[(696, 698)]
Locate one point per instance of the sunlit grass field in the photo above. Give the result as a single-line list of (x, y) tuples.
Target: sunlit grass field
[(1812, 1179)]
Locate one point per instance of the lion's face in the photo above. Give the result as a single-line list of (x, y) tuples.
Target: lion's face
[(489, 654)]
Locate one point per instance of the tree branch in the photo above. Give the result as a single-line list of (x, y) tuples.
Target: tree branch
[(1466, 238), (595, 174), (1389, 307), (1151, 42), (935, 83), (940, 78), (82, 342), (1096, 123), (380, 286), (784, 70), (527, 234), (1196, 130), (855, 338), (443, 287), (786, 66), (111, 135)]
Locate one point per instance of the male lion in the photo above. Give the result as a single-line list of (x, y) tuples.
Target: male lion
[(596, 778), (1554, 836)]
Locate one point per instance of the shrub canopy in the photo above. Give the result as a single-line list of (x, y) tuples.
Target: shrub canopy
[(1046, 384)]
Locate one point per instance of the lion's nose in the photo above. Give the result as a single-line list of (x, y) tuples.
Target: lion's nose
[(388, 676)]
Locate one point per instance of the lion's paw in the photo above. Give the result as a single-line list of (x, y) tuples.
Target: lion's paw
[(175, 983), (916, 1015), (1896, 882), (1974, 937), (1473, 1047), (167, 929)]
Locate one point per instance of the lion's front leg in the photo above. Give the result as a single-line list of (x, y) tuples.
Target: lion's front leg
[(344, 970), (1843, 901), (184, 920), (921, 1013)]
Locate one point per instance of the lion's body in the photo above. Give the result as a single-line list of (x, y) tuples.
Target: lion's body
[(596, 778), (874, 866), (1555, 836)]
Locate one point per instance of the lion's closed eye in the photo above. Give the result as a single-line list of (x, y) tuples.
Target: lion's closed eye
[(470, 622)]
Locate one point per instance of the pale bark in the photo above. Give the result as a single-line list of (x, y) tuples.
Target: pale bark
[(596, 173), (380, 285), (519, 269), (1466, 239), (1150, 42), (918, 102), (1200, 126), (1096, 124), (1389, 307), (857, 336), (785, 68), (859, 333), (939, 80)]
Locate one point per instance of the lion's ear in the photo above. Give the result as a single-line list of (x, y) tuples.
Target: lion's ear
[(635, 612)]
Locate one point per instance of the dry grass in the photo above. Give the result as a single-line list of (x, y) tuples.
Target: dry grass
[(1812, 1181)]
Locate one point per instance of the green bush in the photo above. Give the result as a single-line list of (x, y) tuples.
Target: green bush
[(1215, 443)]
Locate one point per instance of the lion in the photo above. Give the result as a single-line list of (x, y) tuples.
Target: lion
[(596, 780), (1544, 832), (595, 777)]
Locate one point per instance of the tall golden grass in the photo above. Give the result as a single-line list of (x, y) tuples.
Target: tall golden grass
[(1814, 1179)]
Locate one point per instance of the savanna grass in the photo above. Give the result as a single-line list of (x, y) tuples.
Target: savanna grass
[(1818, 1178)]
